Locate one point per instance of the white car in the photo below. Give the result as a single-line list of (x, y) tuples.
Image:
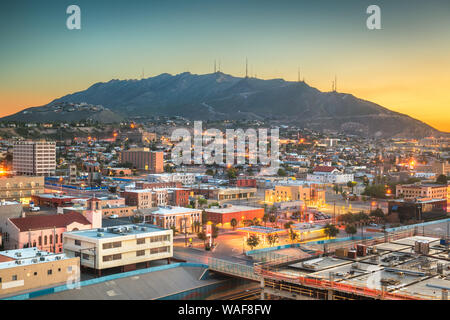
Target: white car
[(113, 216), (35, 209), (373, 225)]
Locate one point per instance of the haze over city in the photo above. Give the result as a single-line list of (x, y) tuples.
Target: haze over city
[(404, 66)]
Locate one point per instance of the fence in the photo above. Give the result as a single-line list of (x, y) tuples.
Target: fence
[(232, 268)]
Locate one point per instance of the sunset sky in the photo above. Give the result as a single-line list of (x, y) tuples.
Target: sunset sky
[(404, 67)]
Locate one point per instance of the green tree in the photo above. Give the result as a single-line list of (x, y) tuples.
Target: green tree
[(214, 232), (351, 184), (232, 173), (281, 172), (351, 229), (253, 241), (209, 172), (331, 230), (442, 179)]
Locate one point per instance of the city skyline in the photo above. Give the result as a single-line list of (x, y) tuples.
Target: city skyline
[(403, 66)]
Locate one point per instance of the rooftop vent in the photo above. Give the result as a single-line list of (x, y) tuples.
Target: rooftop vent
[(144, 229), (99, 234)]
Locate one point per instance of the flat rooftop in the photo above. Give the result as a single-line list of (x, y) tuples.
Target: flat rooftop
[(231, 209), (27, 256), (169, 210), (118, 231)]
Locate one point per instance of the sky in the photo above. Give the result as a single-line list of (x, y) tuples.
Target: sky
[(405, 66)]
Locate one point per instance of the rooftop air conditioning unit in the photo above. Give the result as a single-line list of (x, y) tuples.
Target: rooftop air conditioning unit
[(18, 262), (58, 257), (42, 259), (144, 229)]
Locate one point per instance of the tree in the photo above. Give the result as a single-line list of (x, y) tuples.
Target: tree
[(331, 230), (272, 239), (202, 236), (281, 172), (272, 218), (233, 223), (253, 241), (288, 225), (292, 235), (232, 173), (442, 179), (202, 201), (377, 213), (196, 226), (351, 229), (265, 218), (174, 230), (214, 232), (209, 172), (351, 184)]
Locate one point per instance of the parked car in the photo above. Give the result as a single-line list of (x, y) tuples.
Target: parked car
[(113, 216), (35, 209)]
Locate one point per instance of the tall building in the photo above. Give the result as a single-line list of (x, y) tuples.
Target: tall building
[(35, 158), (144, 159), (20, 188)]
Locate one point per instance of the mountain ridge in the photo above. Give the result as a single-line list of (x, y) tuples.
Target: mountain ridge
[(220, 96)]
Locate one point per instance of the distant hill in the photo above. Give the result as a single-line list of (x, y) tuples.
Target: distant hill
[(220, 96)]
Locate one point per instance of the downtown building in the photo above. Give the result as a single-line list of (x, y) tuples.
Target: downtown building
[(144, 159), (34, 158), (125, 247)]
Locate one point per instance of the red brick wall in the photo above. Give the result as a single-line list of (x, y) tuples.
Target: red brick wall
[(227, 217)]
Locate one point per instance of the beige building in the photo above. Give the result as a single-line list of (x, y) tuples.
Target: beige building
[(36, 158), (414, 191), (20, 188), (126, 247), (144, 159), (174, 217), (311, 194), (30, 269)]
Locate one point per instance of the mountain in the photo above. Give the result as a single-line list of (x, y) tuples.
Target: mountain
[(220, 96)]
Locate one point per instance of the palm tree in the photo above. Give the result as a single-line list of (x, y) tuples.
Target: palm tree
[(265, 219), (253, 241), (271, 239)]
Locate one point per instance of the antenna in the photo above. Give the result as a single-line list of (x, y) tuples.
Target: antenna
[(219, 65), (246, 67)]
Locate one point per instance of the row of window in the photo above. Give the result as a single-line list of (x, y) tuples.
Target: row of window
[(49, 272)]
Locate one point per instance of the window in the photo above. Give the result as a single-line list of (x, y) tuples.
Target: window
[(45, 240), (0, 280), (107, 245), (77, 242), (51, 239), (40, 240), (49, 271), (14, 277), (117, 244), (56, 238), (35, 273), (69, 269), (140, 241), (117, 256), (85, 256), (140, 253), (159, 250), (59, 269), (107, 258)]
